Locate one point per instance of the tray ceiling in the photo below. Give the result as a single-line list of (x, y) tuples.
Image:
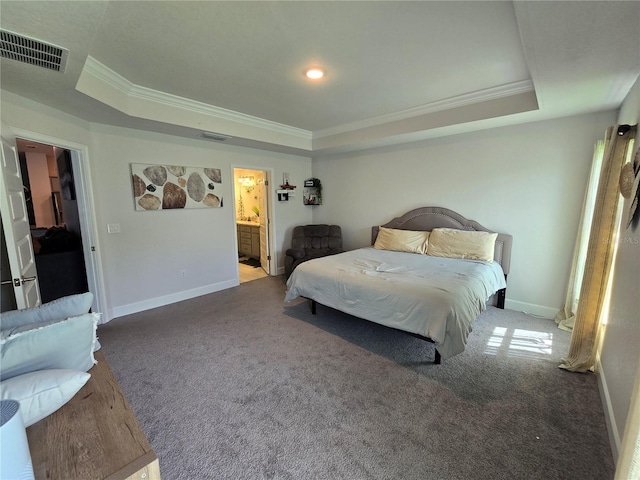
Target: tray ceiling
[(395, 71)]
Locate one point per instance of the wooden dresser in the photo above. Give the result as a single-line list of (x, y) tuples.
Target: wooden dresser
[(93, 436)]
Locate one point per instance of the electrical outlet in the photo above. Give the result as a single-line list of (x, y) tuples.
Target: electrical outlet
[(183, 273)]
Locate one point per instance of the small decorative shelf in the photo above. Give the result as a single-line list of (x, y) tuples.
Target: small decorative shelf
[(312, 193), (286, 191)]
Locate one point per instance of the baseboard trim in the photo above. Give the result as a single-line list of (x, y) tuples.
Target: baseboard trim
[(609, 416), (169, 299), (531, 308)]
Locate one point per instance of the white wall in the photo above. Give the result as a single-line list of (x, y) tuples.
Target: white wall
[(526, 180), (142, 264), (620, 352), (25, 114)]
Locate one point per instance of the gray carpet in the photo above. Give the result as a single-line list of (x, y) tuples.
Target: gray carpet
[(239, 385)]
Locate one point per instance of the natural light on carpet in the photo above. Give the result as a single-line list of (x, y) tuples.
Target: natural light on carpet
[(519, 343)]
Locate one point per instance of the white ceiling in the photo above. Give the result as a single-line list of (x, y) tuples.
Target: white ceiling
[(395, 71)]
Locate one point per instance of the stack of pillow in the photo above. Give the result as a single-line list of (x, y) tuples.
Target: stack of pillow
[(46, 352), (440, 242)]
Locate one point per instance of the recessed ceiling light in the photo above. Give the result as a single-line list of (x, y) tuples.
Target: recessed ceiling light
[(315, 73)]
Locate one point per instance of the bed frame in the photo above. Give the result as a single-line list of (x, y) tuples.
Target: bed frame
[(428, 218)]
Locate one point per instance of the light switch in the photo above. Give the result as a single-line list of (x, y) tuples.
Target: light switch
[(113, 228)]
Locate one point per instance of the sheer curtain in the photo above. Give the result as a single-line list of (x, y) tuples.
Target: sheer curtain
[(566, 317), (602, 235)]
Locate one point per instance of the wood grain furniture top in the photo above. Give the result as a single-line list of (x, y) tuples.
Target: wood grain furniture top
[(94, 435)]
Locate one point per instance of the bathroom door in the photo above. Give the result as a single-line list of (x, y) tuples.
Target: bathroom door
[(265, 215)]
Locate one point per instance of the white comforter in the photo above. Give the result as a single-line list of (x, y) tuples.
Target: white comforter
[(434, 297)]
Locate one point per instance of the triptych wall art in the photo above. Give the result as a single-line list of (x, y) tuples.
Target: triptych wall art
[(163, 187)]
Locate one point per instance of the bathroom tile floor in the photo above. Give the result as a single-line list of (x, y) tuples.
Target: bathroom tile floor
[(248, 273)]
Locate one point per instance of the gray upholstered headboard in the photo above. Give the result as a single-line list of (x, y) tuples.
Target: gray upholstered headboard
[(428, 218)]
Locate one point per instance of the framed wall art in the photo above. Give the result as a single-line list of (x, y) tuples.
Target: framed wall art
[(164, 187)]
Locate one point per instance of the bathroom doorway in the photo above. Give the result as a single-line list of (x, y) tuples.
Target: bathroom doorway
[(251, 195)]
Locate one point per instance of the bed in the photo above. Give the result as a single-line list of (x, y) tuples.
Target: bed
[(424, 289)]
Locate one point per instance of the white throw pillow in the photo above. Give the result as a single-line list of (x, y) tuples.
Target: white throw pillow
[(59, 344), (471, 245), (64, 307), (43, 392), (401, 240)]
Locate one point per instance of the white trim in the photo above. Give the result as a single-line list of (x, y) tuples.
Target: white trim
[(172, 298), (627, 466), (273, 226), (610, 419), (523, 18), (104, 74), (531, 308), (86, 211), (271, 221), (86, 215), (493, 93)]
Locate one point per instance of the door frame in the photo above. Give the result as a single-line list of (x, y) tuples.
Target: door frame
[(270, 221), (86, 210)]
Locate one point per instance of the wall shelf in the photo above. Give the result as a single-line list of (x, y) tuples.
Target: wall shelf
[(312, 193), (285, 192)]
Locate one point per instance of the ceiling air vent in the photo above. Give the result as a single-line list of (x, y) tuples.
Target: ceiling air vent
[(32, 51), (218, 137)]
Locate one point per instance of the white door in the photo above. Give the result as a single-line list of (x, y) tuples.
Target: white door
[(15, 223), (264, 222)]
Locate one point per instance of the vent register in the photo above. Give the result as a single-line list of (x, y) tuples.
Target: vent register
[(216, 137), (34, 52)]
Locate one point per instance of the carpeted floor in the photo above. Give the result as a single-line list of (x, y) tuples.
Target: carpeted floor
[(239, 385)]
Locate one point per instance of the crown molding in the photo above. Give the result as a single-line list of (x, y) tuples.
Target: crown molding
[(128, 90), (464, 100), (103, 73)]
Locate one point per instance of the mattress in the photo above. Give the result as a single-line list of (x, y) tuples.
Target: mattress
[(434, 297)]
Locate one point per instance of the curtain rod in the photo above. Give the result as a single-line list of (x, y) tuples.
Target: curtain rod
[(622, 129)]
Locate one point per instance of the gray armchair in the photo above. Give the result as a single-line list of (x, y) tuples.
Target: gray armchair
[(312, 241)]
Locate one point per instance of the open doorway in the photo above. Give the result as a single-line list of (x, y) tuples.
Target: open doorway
[(52, 208), (23, 268), (251, 202)]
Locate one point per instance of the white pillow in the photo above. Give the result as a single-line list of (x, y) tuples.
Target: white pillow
[(452, 243), (401, 240), (43, 392), (61, 344), (64, 307)]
